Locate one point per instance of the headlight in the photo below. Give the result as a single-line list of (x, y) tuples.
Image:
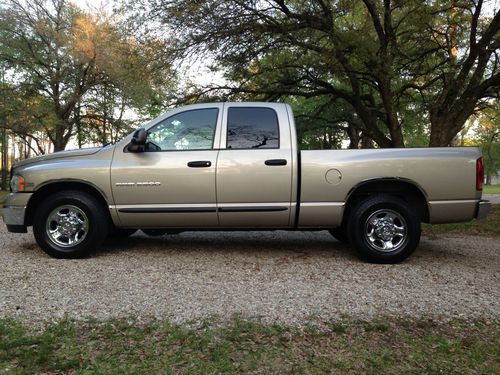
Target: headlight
[(17, 183)]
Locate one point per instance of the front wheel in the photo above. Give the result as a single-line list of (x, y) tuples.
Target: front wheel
[(70, 224), (383, 229)]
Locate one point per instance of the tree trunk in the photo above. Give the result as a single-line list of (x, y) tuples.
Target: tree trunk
[(366, 142), (446, 123), (392, 120), (371, 130), (5, 159), (78, 125), (353, 135), (58, 142), (438, 136)]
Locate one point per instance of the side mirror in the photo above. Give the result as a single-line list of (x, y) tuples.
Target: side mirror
[(138, 142)]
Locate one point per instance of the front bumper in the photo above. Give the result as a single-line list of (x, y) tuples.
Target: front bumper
[(14, 211), (483, 209)]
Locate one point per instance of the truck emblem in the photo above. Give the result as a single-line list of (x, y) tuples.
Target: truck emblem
[(138, 184)]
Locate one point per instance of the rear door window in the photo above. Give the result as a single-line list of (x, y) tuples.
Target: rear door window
[(252, 128)]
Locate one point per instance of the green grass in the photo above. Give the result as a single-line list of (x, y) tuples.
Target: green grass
[(491, 189), (383, 346), (490, 226)]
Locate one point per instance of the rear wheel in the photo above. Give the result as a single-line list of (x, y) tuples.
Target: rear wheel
[(383, 229), (70, 224)]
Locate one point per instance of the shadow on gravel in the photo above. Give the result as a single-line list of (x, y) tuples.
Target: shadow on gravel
[(248, 243), (278, 244)]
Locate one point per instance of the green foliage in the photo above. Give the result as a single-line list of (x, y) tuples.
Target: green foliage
[(390, 73), (487, 136), (27, 114), (491, 189), (404, 72), (318, 123), (77, 71), (246, 346)]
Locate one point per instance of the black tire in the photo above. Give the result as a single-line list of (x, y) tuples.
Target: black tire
[(340, 234), (154, 232), (117, 233), (384, 229), (83, 207)]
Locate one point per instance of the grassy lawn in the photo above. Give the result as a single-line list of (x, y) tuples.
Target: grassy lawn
[(250, 347), (491, 189)]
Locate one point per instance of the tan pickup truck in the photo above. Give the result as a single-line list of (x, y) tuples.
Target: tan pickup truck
[(227, 166)]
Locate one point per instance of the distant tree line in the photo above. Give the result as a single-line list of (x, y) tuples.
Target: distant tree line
[(69, 74)]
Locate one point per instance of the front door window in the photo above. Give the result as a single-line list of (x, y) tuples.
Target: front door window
[(189, 130)]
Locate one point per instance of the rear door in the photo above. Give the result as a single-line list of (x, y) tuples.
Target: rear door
[(254, 166)]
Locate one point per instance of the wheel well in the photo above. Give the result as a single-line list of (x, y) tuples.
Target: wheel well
[(56, 187), (402, 189)]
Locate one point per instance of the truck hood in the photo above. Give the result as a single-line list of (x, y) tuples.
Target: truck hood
[(58, 155)]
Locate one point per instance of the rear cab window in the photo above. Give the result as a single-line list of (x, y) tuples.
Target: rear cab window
[(252, 128)]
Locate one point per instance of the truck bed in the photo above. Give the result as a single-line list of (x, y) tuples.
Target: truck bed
[(444, 175)]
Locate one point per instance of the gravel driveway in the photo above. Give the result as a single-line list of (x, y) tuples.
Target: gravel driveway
[(493, 198), (283, 276)]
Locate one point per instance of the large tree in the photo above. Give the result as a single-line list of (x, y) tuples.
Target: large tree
[(382, 60), (465, 77), (486, 133), (65, 55)]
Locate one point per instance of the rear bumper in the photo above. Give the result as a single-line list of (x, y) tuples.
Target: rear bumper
[(457, 211), (483, 209), (14, 211)]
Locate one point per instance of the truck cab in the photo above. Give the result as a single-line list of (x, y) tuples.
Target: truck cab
[(229, 165)]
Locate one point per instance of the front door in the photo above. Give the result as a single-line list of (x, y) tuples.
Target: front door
[(172, 183)]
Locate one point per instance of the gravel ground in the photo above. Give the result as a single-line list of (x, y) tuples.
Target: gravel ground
[(280, 276), (493, 198)]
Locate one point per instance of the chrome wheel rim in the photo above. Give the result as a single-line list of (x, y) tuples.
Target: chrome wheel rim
[(67, 226), (386, 230)]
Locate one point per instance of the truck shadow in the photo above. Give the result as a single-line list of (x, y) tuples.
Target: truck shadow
[(317, 245), (279, 244), (248, 243)]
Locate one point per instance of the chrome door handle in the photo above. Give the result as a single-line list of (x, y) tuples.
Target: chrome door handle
[(199, 164)]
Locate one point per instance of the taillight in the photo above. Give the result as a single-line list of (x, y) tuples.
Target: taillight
[(479, 174)]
